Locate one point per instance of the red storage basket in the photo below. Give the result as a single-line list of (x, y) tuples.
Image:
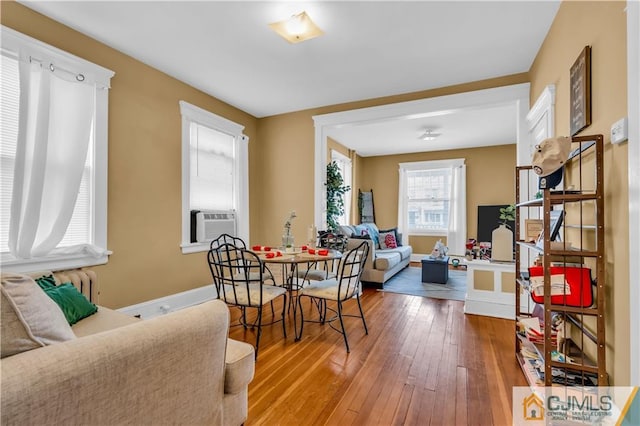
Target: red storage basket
[(579, 281)]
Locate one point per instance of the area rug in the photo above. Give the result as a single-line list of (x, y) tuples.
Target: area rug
[(409, 281)]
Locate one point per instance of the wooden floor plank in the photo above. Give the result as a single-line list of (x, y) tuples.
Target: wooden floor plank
[(423, 362), (461, 396)]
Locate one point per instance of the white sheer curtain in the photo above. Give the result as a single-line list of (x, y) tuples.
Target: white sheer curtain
[(55, 125), (402, 205), (457, 232), (348, 172)]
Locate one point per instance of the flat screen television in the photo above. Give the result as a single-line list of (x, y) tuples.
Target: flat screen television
[(488, 220)]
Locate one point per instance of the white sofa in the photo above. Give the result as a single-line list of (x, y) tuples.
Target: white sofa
[(383, 263)]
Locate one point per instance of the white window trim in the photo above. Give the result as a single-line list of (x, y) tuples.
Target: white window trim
[(30, 47), (191, 113), (402, 193)]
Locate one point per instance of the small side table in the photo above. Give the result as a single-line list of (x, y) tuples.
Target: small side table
[(435, 270)]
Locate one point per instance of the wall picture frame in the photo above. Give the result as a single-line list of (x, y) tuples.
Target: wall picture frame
[(580, 92)]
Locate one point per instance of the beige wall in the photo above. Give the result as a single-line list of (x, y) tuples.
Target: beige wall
[(602, 25), (144, 186), (292, 136), (490, 180)]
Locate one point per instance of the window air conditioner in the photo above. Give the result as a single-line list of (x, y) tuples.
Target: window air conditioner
[(211, 224)]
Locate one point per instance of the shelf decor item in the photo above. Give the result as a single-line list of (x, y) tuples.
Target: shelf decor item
[(580, 92), (502, 237)]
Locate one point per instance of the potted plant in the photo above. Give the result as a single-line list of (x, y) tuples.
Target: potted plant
[(335, 193), (507, 214)]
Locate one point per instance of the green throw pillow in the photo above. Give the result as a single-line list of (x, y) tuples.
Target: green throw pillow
[(74, 304), (46, 282)]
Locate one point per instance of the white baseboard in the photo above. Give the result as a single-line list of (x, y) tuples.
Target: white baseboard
[(174, 302), (482, 307)]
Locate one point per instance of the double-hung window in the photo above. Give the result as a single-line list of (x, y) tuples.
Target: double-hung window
[(432, 200), (428, 193), (53, 153), (214, 178)]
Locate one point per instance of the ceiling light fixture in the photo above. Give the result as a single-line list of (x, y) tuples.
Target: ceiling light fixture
[(428, 135), (298, 28)]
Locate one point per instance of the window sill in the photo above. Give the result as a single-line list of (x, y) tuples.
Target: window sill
[(194, 247), (50, 263), (435, 233)]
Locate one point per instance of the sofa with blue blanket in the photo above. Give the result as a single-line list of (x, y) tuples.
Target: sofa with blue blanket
[(387, 255)]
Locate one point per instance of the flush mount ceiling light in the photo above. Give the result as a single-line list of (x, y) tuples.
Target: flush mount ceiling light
[(298, 28), (428, 135)]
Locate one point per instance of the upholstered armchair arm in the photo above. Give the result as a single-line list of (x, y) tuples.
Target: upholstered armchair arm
[(354, 242), (143, 373)]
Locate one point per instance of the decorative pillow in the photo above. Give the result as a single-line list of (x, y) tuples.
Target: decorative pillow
[(74, 305), (29, 318), (46, 281), (388, 240), (397, 235)]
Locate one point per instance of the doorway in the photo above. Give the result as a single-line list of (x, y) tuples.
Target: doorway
[(516, 95)]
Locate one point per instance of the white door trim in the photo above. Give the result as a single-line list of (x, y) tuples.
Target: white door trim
[(543, 113)]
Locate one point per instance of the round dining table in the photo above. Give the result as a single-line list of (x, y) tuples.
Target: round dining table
[(291, 261)]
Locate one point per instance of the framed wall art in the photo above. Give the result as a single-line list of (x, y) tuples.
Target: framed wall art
[(533, 229), (580, 92)]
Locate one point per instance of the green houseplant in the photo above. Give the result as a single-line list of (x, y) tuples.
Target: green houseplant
[(508, 214), (335, 192)]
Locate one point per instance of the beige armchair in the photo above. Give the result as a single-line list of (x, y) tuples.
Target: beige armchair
[(179, 368)]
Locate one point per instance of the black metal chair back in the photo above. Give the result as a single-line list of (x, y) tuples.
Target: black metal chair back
[(350, 270), (332, 241), (237, 275), (228, 239)]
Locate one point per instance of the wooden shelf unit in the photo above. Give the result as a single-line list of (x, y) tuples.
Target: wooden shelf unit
[(583, 327)]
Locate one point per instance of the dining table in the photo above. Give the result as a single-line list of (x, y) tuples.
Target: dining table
[(293, 260)]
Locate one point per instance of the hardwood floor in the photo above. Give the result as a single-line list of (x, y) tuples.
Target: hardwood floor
[(423, 362)]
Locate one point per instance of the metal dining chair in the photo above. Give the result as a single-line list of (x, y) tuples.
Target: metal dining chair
[(239, 242), (227, 239), (238, 276), (328, 268), (344, 287)]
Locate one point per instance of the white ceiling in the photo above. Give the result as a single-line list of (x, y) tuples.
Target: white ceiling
[(370, 49), (458, 129)]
